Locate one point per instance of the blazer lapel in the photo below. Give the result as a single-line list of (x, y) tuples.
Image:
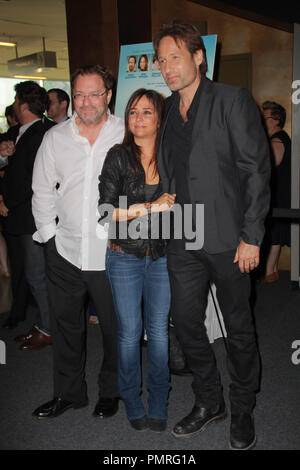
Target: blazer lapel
[(165, 163)]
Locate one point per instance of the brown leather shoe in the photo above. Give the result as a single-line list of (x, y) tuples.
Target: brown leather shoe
[(273, 277), (26, 336), (37, 341)]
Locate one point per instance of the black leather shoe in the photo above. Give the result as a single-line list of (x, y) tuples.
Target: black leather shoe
[(54, 408), (157, 425), (199, 418), (242, 431), (140, 424), (106, 407)]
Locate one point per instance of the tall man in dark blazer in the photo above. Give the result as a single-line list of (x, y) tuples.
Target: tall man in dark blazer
[(26, 256), (214, 152)]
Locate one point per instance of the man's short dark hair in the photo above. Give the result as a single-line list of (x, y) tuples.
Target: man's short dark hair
[(277, 111), (186, 32), (62, 95), (103, 73), (34, 95)]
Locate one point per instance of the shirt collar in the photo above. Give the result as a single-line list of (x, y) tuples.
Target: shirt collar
[(63, 119), (75, 128), (26, 126)]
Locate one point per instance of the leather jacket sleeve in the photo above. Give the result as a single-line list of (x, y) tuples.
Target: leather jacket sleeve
[(110, 180)]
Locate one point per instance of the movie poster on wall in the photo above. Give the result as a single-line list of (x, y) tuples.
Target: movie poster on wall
[(138, 68)]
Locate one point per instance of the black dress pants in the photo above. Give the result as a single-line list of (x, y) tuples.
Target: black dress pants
[(19, 285), (68, 287), (189, 273)]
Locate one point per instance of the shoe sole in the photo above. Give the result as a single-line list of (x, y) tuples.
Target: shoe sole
[(139, 430), (109, 415), (35, 349), (250, 446), (214, 419)]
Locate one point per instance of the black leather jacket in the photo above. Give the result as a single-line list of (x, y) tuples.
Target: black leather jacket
[(119, 177)]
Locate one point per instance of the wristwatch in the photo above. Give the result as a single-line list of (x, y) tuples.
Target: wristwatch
[(148, 206)]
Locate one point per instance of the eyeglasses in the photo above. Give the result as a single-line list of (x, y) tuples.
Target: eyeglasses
[(93, 97)]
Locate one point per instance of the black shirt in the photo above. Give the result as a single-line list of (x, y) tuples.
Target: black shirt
[(178, 137)]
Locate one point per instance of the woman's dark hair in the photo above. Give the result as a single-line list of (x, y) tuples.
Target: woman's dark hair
[(146, 59), (159, 103), (277, 111), (187, 33)]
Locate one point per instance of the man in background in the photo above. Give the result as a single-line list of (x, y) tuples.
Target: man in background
[(59, 101), (26, 256)]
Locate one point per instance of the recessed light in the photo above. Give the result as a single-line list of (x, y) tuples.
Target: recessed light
[(7, 43), (32, 77)]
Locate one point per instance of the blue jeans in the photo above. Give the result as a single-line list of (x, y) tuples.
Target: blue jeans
[(35, 272), (132, 278)]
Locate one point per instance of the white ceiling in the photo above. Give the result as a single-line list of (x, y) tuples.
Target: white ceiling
[(27, 22)]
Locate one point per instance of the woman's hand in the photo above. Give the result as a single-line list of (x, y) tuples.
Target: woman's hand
[(164, 203)]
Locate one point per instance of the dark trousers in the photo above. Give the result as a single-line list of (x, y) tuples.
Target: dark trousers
[(19, 285), (189, 273), (35, 273), (27, 262), (68, 288)]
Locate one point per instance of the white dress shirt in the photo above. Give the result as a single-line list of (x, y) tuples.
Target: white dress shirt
[(67, 158), (3, 161)]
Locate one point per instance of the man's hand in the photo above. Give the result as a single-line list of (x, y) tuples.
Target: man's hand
[(247, 256), (3, 209), (7, 148)]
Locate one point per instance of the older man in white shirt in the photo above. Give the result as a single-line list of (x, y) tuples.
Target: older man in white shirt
[(65, 186)]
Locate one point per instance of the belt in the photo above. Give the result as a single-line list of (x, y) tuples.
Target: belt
[(115, 247)]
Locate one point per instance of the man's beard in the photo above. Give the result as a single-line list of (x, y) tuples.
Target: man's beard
[(96, 118)]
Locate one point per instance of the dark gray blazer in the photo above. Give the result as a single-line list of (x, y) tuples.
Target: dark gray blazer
[(228, 166)]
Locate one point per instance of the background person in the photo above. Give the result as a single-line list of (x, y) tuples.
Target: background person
[(26, 257), (59, 101), (278, 231)]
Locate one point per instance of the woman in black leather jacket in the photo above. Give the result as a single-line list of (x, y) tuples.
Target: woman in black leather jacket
[(135, 263)]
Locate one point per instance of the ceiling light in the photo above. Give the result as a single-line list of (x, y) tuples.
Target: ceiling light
[(8, 44), (32, 77)]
